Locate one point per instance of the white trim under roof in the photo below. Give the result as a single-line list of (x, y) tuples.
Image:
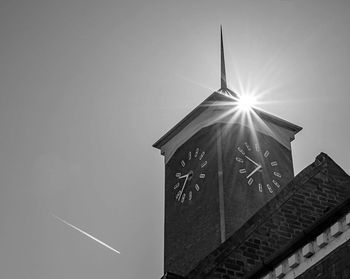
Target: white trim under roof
[(314, 251)]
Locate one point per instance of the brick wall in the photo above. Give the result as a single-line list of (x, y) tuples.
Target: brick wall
[(316, 191)]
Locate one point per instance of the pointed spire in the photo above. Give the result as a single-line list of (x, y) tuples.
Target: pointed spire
[(223, 70)]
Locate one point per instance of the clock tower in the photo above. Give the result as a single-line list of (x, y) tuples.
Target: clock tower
[(222, 164)]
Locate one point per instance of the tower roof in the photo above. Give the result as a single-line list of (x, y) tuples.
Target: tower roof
[(221, 101)]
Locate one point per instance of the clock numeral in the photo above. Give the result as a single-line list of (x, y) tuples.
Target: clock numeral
[(204, 164), (248, 146), (178, 195), (176, 185), (257, 147), (250, 181), (196, 152), (277, 174), (241, 150), (190, 195), (260, 187), (276, 183), (269, 187), (240, 160), (178, 174), (242, 171), (266, 154), (201, 156), (189, 155), (274, 163), (202, 175), (183, 198), (183, 163), (196, 187)]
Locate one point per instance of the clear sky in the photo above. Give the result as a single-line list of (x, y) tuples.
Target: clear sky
[(86, 87)]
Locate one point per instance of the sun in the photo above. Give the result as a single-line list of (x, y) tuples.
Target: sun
[(246, 102)]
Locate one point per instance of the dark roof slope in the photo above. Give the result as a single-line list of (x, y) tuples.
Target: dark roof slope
[(319, 190)]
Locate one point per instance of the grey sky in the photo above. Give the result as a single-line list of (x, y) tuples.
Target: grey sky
[(86, 87)]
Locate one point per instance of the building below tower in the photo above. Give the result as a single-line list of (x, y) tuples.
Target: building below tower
[(303, 232)]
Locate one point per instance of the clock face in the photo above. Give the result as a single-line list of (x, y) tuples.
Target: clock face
[(190, 175), (258, 167)]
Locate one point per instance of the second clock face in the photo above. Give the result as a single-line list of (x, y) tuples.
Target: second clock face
[(258, 167)]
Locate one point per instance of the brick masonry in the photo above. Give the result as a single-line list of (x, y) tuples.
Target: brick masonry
[(315, 192)]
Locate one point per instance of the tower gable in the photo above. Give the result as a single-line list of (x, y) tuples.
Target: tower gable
[(221, 108)]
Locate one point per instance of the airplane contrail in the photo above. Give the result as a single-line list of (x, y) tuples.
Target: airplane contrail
[(85, 233)]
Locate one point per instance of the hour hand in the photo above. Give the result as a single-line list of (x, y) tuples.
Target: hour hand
[(254, 171), (183, 176)]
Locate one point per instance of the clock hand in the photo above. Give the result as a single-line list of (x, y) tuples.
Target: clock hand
[(185, 175), (253, 161), (183, 186), (254, 171)]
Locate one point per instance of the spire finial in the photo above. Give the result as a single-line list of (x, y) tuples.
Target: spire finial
[(223, 70)]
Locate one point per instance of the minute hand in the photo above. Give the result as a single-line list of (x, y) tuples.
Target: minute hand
[(253, 161), (183, 186)]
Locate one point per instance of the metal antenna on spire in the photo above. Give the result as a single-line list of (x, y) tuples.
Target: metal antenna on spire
[(223, 70)]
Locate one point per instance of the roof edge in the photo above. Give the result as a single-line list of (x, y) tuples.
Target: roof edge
[(216, 95)]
